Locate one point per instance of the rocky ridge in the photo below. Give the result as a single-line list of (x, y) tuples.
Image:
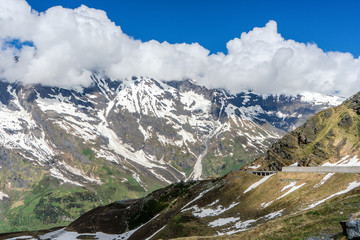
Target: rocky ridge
[(328, 136)]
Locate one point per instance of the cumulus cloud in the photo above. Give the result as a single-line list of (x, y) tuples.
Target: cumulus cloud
[(69, 44)]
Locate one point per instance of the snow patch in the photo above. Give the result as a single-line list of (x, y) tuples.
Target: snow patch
[(80, 173), (3, 195), (327, 176), (208, 212), (195, 199), (274, 215), (281, 115), (241, 226), (13, 135), (345, 162), (292, 189), (351, 186), (194, 101), (254, 167), (319, 98), (57, 174), (223, 221), (258, 183), (265, 205), (290, 185), (153, 235), (61, 105), (213, 203)]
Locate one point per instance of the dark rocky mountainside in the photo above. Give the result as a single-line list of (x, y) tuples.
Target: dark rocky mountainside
[(65, 151)]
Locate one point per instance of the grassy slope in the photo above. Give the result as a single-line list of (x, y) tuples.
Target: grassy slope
[(296, 223), (319, 221), (328, 135)]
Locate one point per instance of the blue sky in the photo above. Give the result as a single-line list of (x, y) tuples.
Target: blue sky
[(332, 25), (272, 47)]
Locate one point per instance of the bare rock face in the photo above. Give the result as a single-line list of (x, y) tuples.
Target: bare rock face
[(351, 228), (354, 103)]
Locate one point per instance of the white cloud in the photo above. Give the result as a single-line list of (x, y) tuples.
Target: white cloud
[(70, 43)]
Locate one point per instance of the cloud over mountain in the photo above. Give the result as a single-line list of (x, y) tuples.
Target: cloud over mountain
[(66, 45)]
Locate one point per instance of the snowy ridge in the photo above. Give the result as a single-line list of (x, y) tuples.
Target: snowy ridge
[(319, 99), (13, 134)]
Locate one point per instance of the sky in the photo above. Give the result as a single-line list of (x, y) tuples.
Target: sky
[(333, 25), (268, 46)]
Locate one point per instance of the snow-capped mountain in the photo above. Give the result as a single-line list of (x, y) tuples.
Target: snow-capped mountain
[(119, 120), (127, 137)]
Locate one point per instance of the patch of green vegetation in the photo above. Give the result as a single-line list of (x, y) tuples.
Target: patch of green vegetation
[(177, 227), (47, 213), (185, 225), (215, 166), (52, 203), (133, 185), (89, 153), (108, 170), (149, 210)]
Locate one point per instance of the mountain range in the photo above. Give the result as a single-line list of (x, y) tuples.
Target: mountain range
[(242, 205), (65, 151)]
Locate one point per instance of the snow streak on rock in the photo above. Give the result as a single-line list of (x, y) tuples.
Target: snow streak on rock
[(257, 183)]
